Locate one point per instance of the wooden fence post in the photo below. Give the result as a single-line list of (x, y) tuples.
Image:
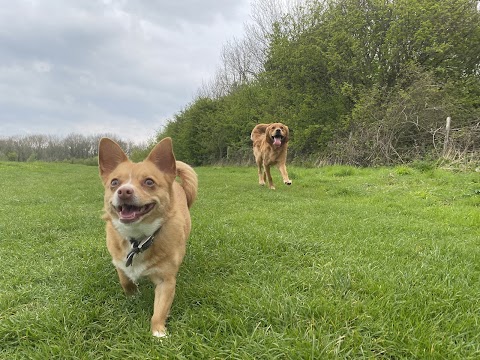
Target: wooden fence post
[(446, 141)]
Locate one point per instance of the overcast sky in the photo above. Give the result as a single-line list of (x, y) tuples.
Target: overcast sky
[(108, 66)]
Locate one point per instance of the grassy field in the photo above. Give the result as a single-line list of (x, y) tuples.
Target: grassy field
[(346, 263)]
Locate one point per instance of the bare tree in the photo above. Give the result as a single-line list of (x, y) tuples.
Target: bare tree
[(242, 60)]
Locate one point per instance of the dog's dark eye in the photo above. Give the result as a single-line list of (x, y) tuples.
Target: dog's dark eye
[(149, 182), (114, 182)]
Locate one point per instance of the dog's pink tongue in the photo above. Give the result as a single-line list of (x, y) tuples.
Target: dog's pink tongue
[(127, 213), (277, 141)]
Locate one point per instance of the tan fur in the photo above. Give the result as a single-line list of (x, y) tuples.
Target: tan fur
[(268, 152), (171, 201)]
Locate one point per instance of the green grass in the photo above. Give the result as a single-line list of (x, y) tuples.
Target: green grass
[(345, 263)]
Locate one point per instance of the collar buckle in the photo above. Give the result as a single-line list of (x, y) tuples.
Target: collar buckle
[(139, 247)]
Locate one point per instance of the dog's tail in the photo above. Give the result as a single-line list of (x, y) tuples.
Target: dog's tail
[(189, 181), (259, 129)]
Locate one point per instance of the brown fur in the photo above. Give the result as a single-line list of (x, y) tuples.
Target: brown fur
[(149, 182), (269, 151)]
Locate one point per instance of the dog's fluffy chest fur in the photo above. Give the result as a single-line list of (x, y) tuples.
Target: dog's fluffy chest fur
[(135, 271), (140, 263)]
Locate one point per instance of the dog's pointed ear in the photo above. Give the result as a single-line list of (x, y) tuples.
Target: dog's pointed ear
[(163, 158), (268, 137), (110, 155)]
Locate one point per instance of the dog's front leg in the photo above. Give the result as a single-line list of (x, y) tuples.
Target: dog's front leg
[(283, 171), (164, 294), (269, 176), (128, 285), (261, 177)]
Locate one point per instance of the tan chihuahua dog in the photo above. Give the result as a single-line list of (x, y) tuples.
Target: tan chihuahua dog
[(148, 219)]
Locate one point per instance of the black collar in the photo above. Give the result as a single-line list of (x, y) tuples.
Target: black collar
[(138, 247)]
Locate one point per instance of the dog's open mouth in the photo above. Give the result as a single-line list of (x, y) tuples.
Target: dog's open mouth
[(277, 140), (130, 213)]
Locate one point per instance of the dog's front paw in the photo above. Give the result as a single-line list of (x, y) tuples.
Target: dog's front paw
[(159, 331), (288, 182), (159, 334), (130, 289), (128, 286)]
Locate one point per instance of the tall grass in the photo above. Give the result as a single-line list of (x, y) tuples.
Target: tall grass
[(345, 263)]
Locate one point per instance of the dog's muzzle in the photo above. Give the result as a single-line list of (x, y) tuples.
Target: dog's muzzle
[(277, 138)]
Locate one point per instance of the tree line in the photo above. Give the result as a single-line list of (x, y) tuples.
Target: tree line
[(73, 148), (363, 82)]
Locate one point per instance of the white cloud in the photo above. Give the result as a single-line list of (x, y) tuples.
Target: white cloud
[(42, 66), (112, 66)]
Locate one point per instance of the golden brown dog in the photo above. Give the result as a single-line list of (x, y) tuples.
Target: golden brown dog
[(148, 219), (270, 142)]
